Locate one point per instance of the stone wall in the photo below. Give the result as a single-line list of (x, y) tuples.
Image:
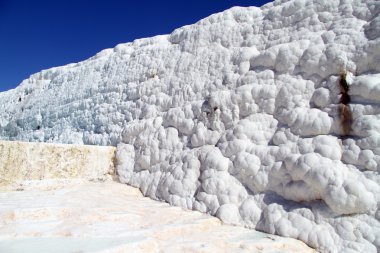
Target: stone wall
[(23, 161)]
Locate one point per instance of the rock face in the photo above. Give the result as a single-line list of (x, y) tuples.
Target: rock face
[(21, 162), (266, 117)]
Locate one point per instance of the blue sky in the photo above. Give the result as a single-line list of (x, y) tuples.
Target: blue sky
[(40, 34)]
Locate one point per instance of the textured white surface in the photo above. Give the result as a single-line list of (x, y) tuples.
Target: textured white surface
[(22, 161), (112, 217), (238, 115)]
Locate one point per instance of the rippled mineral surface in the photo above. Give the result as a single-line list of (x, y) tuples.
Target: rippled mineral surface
[(268, 118)]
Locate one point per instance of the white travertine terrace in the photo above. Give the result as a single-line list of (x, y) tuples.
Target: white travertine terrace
[(266, 117), (50, 206), (111, 217)]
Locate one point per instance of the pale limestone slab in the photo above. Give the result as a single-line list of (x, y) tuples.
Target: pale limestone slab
[(113, 217), (20, 161)]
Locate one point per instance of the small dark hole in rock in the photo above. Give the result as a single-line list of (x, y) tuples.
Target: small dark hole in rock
[(344, 109), (345, 99), (344, 88)]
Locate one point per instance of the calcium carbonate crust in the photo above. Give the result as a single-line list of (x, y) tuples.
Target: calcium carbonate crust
[(266, 117)]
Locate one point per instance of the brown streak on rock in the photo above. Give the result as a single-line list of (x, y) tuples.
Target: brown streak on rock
[(344, 110)]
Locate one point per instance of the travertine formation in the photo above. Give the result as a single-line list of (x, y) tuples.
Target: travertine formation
[(21, 162), (48, 205), (112, 217), (266, 117)]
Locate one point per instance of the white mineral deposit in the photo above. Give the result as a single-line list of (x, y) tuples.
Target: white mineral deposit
[(268, 118), (111, 217)]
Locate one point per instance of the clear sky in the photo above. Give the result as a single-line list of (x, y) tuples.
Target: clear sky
[(40, 34)]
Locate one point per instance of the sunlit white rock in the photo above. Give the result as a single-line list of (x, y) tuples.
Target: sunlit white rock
[(277, 130), (113, 217)]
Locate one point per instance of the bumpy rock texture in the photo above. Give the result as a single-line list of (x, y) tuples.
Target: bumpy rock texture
[(266, 117)]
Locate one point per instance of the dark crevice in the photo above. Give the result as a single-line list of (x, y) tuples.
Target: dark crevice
[(344, 109)]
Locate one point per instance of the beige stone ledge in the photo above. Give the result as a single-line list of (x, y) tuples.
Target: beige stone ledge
[(24, 161)]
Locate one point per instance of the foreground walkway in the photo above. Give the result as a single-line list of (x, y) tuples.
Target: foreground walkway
[(50, 216)]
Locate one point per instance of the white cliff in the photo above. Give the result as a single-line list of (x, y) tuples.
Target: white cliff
[(265, 117)]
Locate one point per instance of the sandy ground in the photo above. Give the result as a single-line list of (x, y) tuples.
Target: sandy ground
[(73, 216)]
